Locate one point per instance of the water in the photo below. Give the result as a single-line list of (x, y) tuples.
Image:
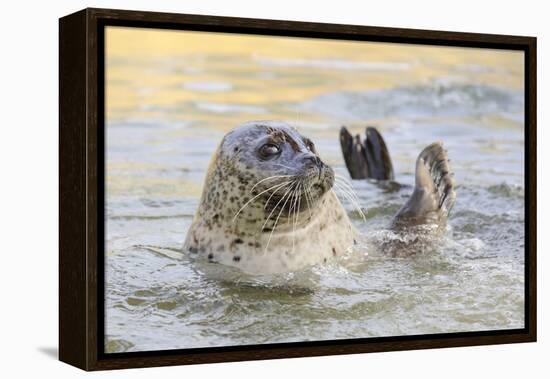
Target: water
[(168, 109)]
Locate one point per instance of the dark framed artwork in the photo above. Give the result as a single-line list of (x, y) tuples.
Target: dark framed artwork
[(239, 189)]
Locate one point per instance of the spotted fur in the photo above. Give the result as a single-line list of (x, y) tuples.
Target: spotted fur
[(235, 222)]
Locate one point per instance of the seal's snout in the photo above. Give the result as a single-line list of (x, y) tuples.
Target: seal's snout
[(328, 177), (319, 175), (313, 161)]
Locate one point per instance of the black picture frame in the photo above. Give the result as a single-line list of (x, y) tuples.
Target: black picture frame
[(81, 188)]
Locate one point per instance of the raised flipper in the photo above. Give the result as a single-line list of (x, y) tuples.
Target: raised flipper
[(366, 159), (433, 196)]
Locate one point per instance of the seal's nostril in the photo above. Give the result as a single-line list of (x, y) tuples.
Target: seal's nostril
[(313, 159), (309, 159)]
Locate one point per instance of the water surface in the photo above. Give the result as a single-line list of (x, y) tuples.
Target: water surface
[(171, 96)]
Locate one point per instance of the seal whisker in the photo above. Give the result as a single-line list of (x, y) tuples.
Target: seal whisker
[(288, 183), (356, 207), (308, 198), (302, 191), (290, 204), (292, 209), (311, 202), (275, 225), (293, 201), (343, 180), (268, 178), (349, 190), (352, 201), (345, 183), (342, 188), (296, 214), (254, 198), (289, 186), (342, 177)]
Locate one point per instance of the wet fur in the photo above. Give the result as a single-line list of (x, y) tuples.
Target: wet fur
[(433, 196), (248, 220), (368, 158), (235, 223)]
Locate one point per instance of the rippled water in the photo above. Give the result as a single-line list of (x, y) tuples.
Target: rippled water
[(167, 111)]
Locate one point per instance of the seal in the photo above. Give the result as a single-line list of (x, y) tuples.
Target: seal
[(368, 158), (433, 195), (267, 205)]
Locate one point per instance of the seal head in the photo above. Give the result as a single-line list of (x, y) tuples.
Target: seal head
[(267, 204)]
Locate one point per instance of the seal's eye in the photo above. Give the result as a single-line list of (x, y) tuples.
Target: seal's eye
[(269, 150)]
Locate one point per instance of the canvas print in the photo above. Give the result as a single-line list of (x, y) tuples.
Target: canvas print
[(267, 189)]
